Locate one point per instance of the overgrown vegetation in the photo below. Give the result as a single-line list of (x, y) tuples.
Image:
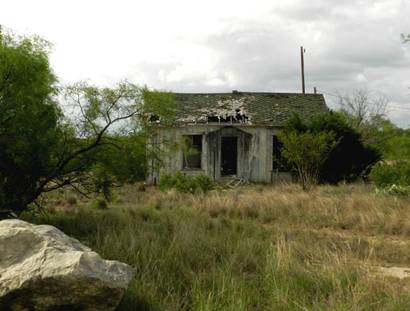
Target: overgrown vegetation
[(307, 152), (386, 174), (97, 141), (255, 248), (186, 183), (326, 149), (252, 248)]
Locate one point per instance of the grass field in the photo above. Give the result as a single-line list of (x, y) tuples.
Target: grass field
[(252, 248)]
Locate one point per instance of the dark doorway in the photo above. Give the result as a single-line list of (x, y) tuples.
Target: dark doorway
[(229, 155)]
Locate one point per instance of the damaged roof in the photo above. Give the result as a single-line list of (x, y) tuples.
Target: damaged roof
[(252, 108)]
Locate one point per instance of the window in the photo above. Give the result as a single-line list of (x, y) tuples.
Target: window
[(277, 159), (192, 151)]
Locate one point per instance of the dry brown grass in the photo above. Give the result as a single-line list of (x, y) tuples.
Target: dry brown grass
[(348, 208), (353, 217), (253, 248)]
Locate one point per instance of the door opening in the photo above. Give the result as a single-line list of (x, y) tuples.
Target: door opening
[(229, 155)]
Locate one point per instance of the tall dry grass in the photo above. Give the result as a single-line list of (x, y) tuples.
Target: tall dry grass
[(252, 248)]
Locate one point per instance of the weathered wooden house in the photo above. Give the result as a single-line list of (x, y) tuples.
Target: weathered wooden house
[(230, 134)]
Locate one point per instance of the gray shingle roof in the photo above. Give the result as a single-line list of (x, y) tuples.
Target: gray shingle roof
[(271, 109)]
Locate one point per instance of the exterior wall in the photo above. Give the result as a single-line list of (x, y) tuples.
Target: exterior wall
[(254, 151)]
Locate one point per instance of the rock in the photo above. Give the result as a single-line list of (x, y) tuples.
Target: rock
[(41, 268)]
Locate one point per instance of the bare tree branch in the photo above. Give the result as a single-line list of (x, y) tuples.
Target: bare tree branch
[(108, 110), (362, 106)]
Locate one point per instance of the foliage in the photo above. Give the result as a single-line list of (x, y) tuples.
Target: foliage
[(348, 159), (351, 158), (204, 182), (186, 183), (307, 152), (363, 109), (40, 149), (395, 190), (122, 162), (388, 174), (99, 203), (158, 107), (366, 113), (392, 141), (104, 180), (30, 120), (190, 152)]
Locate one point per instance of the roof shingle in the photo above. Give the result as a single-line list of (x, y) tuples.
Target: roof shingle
[(272, 109)]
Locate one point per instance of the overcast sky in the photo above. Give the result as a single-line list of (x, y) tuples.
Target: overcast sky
[(222, 45)]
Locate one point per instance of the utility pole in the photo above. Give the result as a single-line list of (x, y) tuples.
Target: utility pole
[(302, 65)]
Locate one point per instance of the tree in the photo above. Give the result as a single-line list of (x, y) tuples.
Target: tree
[(40, 149), (347, 160), (102, 150), (366, 113), (123, 163), (307, 151), (363, 108), (158, 109), (29, 118), (352, 157)]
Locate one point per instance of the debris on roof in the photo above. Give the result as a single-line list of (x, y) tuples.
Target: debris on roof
[(249, 108)]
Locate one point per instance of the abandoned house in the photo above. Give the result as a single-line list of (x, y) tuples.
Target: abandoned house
[(229, 134)]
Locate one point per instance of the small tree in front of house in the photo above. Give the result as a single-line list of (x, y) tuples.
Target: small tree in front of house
[(306, 152), (158, 109)]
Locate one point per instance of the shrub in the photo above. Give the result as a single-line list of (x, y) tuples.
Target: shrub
[(185, 183), (349, 159), (385, 175), (394, 190), (99, 203), (307, 152), (204, 182)]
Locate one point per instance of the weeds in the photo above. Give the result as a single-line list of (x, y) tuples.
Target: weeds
[(186, 183), (276, 248)]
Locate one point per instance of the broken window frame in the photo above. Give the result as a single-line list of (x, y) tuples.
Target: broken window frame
[(278, 162), (192, 152)]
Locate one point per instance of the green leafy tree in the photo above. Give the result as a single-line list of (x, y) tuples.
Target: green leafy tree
[(307, 151), (347, 160), (124, 162), (387, 174), (158, 110), (352, 157), (40, 149), (30, 127)]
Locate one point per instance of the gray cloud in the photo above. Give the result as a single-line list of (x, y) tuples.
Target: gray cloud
[(220, 45), (350, 45)]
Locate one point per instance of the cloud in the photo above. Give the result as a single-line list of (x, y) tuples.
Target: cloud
[(221, 45)]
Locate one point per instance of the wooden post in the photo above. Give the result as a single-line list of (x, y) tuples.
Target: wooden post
[(302, 63)]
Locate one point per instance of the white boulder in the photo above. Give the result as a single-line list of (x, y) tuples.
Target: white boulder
[(41, 268)]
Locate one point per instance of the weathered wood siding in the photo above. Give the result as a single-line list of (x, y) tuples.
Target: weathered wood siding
[(254, 151)]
